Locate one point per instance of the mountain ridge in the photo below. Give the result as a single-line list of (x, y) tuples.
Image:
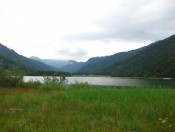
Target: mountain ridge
[(70, 66), (10, 58), (52, 62), (154, 60)]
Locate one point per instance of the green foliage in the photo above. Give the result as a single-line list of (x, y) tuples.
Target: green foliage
[(155, 60), (90, 109), (13, 77), (79, 86), (50, 87), (50, 73), (72, 68), (10, 81), (10, 78), (53, 82), (54, 79), (97, 64), (31, 84), (11, 58)]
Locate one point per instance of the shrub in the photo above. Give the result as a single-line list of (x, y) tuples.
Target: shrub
[(31, 84), (54, 80), (11, 77)]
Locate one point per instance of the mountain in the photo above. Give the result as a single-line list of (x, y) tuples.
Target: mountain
[(97, 64), (51, 62), (72, 66), (154, 60), (10, 58), (71, 62)]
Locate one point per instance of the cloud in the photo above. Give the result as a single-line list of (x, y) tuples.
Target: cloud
[(75, 54), (134, 20), (79, 29)]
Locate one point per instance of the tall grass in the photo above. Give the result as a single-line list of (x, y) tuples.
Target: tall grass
[(81, 107), (11, 77)]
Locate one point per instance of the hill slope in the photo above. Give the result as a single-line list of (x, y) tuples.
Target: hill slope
[(97, 65), (72, 66), (51, 62), (155, 60), (11, 58)]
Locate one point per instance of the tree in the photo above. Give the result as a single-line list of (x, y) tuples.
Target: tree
[(11, 77)]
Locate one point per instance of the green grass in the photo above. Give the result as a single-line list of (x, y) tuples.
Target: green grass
[(85, 108)]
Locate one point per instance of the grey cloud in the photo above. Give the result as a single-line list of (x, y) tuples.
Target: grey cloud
[(76, 54), (145, 20), (141, 23)]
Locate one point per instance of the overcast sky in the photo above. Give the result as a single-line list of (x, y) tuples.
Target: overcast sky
[(80, 29)]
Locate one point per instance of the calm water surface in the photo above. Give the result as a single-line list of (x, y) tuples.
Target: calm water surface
[(113, 81)]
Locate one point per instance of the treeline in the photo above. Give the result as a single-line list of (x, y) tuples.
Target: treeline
[(13, 76), (154, 60), (11, 58), (49, 73)]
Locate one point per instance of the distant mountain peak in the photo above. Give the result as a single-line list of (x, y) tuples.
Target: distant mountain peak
[(11, 58), (70, 62), (154, 60), (51, 62), (35, 58)]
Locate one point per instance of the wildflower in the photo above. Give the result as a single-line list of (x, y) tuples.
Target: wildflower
[(170, 126), (160, 119), (164, 121)]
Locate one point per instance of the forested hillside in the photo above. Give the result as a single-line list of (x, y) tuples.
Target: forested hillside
[(51, 62), (155, 60), (72, 66), (10, 58), (97, 65)]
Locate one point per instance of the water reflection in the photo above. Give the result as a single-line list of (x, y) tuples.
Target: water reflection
[(113, 81)]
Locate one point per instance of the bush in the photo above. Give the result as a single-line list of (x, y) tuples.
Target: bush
[(54, 80), (10, 78), (31, 84), (10, 81)]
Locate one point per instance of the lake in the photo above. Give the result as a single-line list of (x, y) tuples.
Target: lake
[(113, 81)]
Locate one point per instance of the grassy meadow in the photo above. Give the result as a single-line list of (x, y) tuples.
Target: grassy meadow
[(81, 107)]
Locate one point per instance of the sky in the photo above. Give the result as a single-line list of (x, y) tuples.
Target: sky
[(80, 29)]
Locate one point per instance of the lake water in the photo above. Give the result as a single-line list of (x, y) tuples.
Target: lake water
[(113, 81)]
